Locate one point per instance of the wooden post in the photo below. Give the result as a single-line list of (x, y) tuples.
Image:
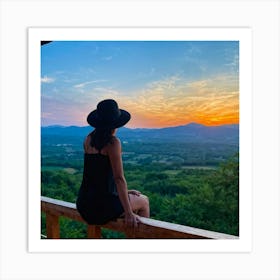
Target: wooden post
[(52, 225), (93, 231)]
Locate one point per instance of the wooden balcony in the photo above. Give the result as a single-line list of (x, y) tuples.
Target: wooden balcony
[(147, 228)]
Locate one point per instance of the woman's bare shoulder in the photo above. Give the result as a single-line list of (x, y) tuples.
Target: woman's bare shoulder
[(114, 145), (116, 140)]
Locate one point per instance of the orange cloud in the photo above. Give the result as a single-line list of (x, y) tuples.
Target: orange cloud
[(176, 102)]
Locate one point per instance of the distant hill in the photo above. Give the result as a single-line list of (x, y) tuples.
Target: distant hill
[(192, 132), (80, 131)]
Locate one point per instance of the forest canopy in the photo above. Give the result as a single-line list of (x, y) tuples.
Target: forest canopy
[(190, 184)]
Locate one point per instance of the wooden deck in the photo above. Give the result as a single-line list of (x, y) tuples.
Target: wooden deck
[(147, 228)]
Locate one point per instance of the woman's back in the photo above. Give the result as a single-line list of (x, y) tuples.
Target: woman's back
[(98, 200), (98, 175)]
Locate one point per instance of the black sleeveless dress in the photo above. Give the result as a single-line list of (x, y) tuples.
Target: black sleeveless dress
[(98, 201)]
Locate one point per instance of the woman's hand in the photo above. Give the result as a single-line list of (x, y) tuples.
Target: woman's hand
[(135, 192), (131, 220)]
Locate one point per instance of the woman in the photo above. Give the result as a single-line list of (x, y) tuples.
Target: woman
[(103, 195)]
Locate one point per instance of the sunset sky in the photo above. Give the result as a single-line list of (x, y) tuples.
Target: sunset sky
[(161, 83)]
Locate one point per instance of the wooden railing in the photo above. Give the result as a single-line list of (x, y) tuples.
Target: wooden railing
[(147, 228)]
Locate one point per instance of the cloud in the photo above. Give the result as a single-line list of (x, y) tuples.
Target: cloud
[(176, 101), (47, 80), (82, 85), (172, 101)]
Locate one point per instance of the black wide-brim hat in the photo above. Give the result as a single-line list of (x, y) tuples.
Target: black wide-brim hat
[(108, 115)]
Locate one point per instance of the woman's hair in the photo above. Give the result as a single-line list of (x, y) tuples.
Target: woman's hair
[(100, 137)]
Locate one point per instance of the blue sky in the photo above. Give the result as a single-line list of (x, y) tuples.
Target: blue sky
[(162, 83)]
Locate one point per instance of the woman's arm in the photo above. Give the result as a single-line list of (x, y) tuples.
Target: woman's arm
[(114, 153)]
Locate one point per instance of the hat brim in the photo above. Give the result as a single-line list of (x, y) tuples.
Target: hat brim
[(94, 121)]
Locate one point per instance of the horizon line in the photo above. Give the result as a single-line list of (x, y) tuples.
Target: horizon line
[(60, 125)]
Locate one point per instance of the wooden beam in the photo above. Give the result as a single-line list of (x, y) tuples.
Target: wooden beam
[(147, 228), (150, 228), (61, 208), (160, 229)]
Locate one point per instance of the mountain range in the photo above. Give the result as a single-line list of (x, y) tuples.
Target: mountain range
[(192, 132)]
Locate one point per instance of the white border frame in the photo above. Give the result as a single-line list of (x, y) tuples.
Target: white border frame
[(263, 17), (243, 35)]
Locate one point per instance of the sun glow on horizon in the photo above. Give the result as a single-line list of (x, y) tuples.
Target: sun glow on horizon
[(206, 102)]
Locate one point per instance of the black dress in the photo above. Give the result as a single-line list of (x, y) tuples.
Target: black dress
[(98, 201)]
